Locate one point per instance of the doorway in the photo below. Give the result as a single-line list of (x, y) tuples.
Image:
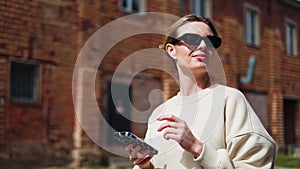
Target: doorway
[(290, 110), (119, 109)]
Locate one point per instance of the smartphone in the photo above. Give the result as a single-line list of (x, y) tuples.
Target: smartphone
[(127, 138)]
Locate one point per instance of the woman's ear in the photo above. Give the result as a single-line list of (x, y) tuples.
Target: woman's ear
[(171, 50)]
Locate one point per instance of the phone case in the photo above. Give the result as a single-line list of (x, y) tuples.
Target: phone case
[(127, 138)]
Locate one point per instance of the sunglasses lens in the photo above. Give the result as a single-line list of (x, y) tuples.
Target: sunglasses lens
[(191, 39), (215, 41), (195, 40)]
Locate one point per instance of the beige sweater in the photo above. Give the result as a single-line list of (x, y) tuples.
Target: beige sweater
[(223, 120)]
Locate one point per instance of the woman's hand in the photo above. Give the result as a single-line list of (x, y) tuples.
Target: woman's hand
[(138, 158), (176, 129)]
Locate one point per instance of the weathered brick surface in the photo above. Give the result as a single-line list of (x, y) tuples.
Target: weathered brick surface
[(59, 29), (52, 24)]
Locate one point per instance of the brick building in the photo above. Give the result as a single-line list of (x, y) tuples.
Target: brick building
[(40, 41)]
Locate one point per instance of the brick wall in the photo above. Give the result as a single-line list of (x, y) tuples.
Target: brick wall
[(60, 28), (52, 25)]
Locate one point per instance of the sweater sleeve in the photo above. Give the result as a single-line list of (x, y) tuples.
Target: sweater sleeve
[(248, 145), (251, 151)]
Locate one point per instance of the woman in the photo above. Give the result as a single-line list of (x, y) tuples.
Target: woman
[(206, 125)]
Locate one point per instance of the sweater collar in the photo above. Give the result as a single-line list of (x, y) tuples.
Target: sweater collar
[(190, 99)]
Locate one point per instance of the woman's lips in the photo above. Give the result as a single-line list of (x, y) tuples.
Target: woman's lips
[(199, 57)]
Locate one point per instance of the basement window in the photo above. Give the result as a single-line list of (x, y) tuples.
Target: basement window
[(24, 83)]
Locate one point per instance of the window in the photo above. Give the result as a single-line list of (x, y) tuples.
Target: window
[(252, 27), (132, 6), (201, 7), (24, 82), (291, 39)]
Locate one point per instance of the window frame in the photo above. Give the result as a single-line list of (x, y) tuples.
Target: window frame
[(206, 7), (293, 38), (36, 88), (255, 32), (141, 6)]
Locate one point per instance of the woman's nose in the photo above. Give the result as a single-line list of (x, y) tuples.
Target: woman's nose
[(202, 45)]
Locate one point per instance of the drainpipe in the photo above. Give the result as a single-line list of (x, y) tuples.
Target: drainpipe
[(251, 66)]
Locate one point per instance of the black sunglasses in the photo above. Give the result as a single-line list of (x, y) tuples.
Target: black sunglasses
[(195, 40)]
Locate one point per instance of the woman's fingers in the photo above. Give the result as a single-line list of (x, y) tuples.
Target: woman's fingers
[(135, 152), (177, 129), (171, 133), (145, 162), (129, 148), (168, 118), (174, 128), (141, 158), (136, 156), (167, 125), (171, 122)]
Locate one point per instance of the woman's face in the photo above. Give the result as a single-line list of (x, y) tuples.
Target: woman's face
[(194, 57)]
